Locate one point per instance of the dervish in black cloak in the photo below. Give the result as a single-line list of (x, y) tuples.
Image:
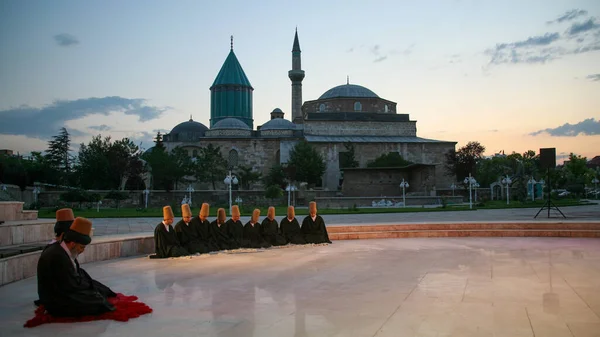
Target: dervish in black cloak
[(219, 232), (236, 229), (202, 226), (166, 243), (252, 232), (188, 233), (290, 228), (313, 226), (270, 229)]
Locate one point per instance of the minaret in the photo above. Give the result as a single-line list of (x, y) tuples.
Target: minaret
[(296, 75)]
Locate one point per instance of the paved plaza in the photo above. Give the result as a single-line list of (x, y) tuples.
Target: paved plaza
[(574, 213), (462, 287)]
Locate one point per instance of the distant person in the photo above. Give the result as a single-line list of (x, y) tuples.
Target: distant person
[(64, 219), (188, 234), (270, 229), (252, 232), (202, 226), (290, 228), (219, 231), (64, 288), (166, 242), (313, 226), (235, 229)]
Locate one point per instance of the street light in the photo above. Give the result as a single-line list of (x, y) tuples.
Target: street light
[(532, 182), (404, 185), (98, 206), (471, 181), (230, 180), (453, 187), (36, 191), (290, 188), (146, 193), (190, 190), (507, 181)]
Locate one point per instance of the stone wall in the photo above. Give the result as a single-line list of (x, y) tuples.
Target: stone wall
[(384, 182), (352, 128), (376, 105)]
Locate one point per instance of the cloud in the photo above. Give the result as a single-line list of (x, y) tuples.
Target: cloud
[(589, 127), (102, 127), (375, 50), (568, 16), (593, 77), (581, 27), (380, 59), (46, 121), (349, 50), (65, 40)]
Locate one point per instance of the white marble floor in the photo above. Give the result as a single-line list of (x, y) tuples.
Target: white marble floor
[(406, 287)]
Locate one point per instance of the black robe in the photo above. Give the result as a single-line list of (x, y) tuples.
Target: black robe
[(253, 236), (189, 237), (270, 232), (205, 234), (221, 235), (315, 231), (236, 233), (166, 244), (291, 231), (66, 290)]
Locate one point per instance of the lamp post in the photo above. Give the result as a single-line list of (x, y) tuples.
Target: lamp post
[(98, 206), (453, 187), (404, 185), (190, 190), (146, 193), (470, 180), (507, 181), (230, 180), (475, 186), (36, 191), (532, 182), (290, 188)]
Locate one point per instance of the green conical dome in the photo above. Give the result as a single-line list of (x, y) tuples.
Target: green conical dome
[(232, 73)]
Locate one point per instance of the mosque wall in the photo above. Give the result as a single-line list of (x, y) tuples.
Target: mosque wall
[(377, 105), (352, 128)]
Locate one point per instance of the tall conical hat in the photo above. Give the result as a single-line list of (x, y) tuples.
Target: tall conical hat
[(168, 213), (271, 213), (235, 210), (186, 211), (291, 212), (204, 210), (312, 206), (255, 215), (80, 231), (64, 219), (221, 216)]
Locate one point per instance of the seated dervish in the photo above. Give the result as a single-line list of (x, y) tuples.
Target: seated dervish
[(269, 229), (64, 288), (219, 231), (188, 234), (252, 232), (313, 226), (235, 228), (166, 243), (290, 228), (64, 219), (202, 226)]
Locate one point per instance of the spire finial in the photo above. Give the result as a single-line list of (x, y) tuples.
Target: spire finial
[(191, 118), (231, 42), (347, 79)]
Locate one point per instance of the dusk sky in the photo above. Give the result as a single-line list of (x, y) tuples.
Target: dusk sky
[(513, 75)]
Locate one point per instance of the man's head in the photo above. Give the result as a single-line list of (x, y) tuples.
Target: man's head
[(64, 219), (186, 213), (204, 212), (291, 213), (168, 215), (255, 215), (77, 237), (271, 213), (221, 216), (235, 213), (312, 208)]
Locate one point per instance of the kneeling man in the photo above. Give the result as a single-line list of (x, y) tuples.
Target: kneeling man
[(313, 226), (252, 232), (166, 243), (188, 233)]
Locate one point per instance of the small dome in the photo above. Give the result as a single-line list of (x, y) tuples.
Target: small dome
[(189, 128), (230, 123), (277, 110), (278, 124), (349, 90)]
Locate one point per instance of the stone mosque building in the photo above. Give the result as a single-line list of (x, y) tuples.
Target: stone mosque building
[(344, 114)]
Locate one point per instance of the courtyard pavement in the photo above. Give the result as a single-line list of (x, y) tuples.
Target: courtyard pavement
[(463, 287), (110, 226)]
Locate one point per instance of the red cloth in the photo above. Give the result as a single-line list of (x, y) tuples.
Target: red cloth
[(126, 308)]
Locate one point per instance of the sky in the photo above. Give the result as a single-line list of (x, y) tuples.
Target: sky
[(513, 75)]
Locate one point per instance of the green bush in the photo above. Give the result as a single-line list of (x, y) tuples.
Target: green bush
[(273, 192)]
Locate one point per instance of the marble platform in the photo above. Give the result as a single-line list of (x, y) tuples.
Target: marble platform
[(463, 287), (13, 210), (18, 232)]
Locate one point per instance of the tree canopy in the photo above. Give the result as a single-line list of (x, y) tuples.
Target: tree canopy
[(308, 162)]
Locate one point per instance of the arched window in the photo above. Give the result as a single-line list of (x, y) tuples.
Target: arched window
[(386, 109), (233, 158), (357, 106), (322, 107)]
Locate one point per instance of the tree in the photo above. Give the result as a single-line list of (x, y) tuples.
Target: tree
[(348, 158), (124, 160), (275, 177), (117, 196), (181, 165), (157, 160), (391, 159), (247, 176), (58, 155), (464, 161), (309, 163), (273, 192), (210, 165)]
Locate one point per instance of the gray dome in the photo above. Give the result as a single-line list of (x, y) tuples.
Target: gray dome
[(277, 110), (348, 90), (278, 124), (230, 123), (187, 131)]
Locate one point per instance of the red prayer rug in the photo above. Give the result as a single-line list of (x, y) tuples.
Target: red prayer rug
[(126, 308)]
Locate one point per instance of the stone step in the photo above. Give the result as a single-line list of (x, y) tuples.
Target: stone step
[(13, 210), (25, 232), (21, 249), (396, 234), (467, 226)]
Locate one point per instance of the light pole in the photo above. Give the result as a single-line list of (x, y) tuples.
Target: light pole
[(475, 186), (98, 206), (36, 191), (453, 187), (146, 193), (290, 188), (470, 180), (507, 181), (404, 185), (190, 190), (230, 180), (532, 182)]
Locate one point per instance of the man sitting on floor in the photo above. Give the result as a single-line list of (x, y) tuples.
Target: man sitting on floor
[(236, 229), (252, 232), (166, 243), (313, 226), (202, 225), (188, 234), (270, 229), (219, 231), (290, 228), (64, 288), (64, 219)]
